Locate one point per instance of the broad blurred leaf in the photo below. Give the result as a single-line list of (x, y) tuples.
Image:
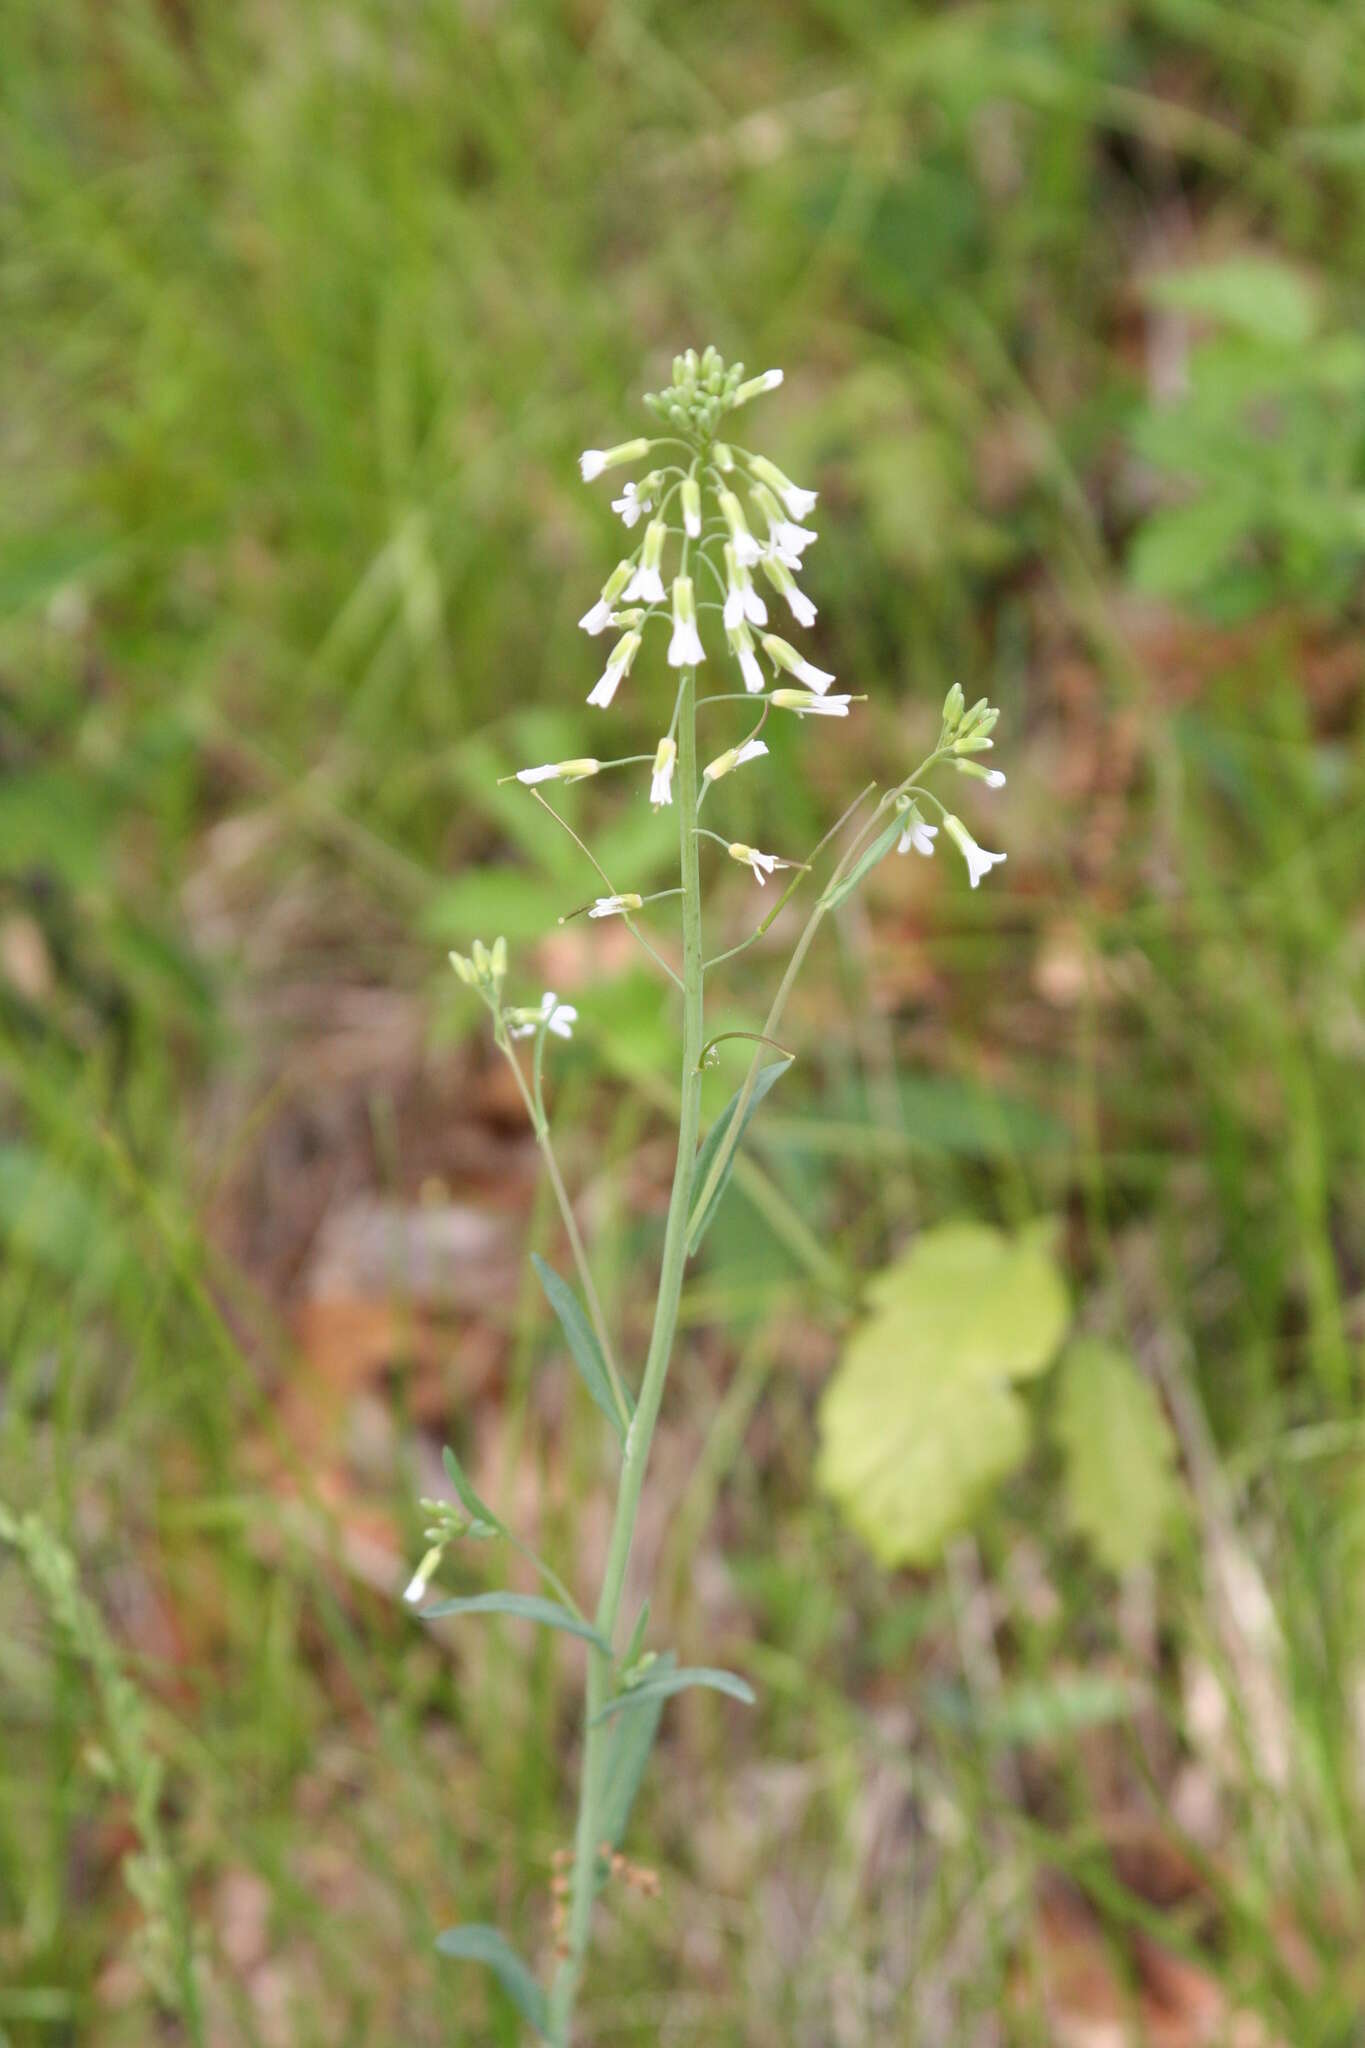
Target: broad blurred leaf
[(1181, 547), (919, 1420), (583, 1345), (1121, 1492), (1251, 293), (480, 1944)]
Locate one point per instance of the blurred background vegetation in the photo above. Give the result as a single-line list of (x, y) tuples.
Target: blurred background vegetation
[(307, 308)]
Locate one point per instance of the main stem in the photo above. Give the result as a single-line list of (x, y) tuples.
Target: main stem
[(641, 1433)]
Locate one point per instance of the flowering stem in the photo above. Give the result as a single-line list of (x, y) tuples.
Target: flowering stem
[(639, 1437), (720, 1163)]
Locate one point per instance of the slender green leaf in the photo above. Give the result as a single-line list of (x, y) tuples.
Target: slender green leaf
[(663, 1686), (583, 1345), (479, 1509), (711, 1145), (525, 1607), (868, 860), (629, 1744), (479, 1944)]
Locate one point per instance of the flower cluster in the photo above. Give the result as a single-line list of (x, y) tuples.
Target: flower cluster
[(724, 532)]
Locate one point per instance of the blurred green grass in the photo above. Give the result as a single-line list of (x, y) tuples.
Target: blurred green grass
[(307, 311)]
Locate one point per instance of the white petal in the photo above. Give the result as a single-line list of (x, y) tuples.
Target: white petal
[(750, 670), (733, 610), (645, 586), (755, 611), (545, 774), (591, 464), (802, 610), (798, 502), (604, 689), (595, 619), (685, 649), (817, 679)]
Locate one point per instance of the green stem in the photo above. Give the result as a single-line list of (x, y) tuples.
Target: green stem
[(773, 1019), (640, 1435), (540, 1124)]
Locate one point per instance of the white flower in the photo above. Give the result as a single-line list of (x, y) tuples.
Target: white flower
[(560, 771), (684, 649), (747, 549), (614, 906), (554, 1015), (691, 507), (761, 863), (661, 788), (783, 655), (742, 647), (742, 601), (733, 757), (994, 778), (790, 539), (618, 665), (917, 835), (646, 584), (780, 576), (598, 616), (979, 862), (631, 505), (768, 380), (593, 461), (797, 501), (805, 702), (416, 1587)]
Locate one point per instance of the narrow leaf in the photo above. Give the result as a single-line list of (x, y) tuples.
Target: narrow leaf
[(525, 1607), (468, 1498), (878, 850), (712, 1143), (667, 1683), (629, 1744), (583, 1345), (479, 1944)]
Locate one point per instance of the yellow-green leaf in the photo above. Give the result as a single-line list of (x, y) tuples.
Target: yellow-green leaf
[(919, 1421), (1120, 1481)]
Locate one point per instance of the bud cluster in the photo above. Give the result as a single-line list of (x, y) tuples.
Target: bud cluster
[(704, 390), (484, 970)]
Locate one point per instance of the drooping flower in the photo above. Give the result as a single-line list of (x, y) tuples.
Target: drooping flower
[(661, 787), (690, 495), (560, 771), (762, 864), (732, 758), (994, 778), (747, 549), (598, 616), (786, 540), (917, 834), (593, 461), (633, 503), (684, 649), (805, 703), (618, 665), (615, 906), (554, 1015), (780, 576), (416, 1587), (742, 601), (979, 861), (798, 502), (646, 584), (742, 647), (784, 655)]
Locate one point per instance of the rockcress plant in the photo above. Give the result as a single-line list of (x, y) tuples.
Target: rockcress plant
[(696, 558)]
